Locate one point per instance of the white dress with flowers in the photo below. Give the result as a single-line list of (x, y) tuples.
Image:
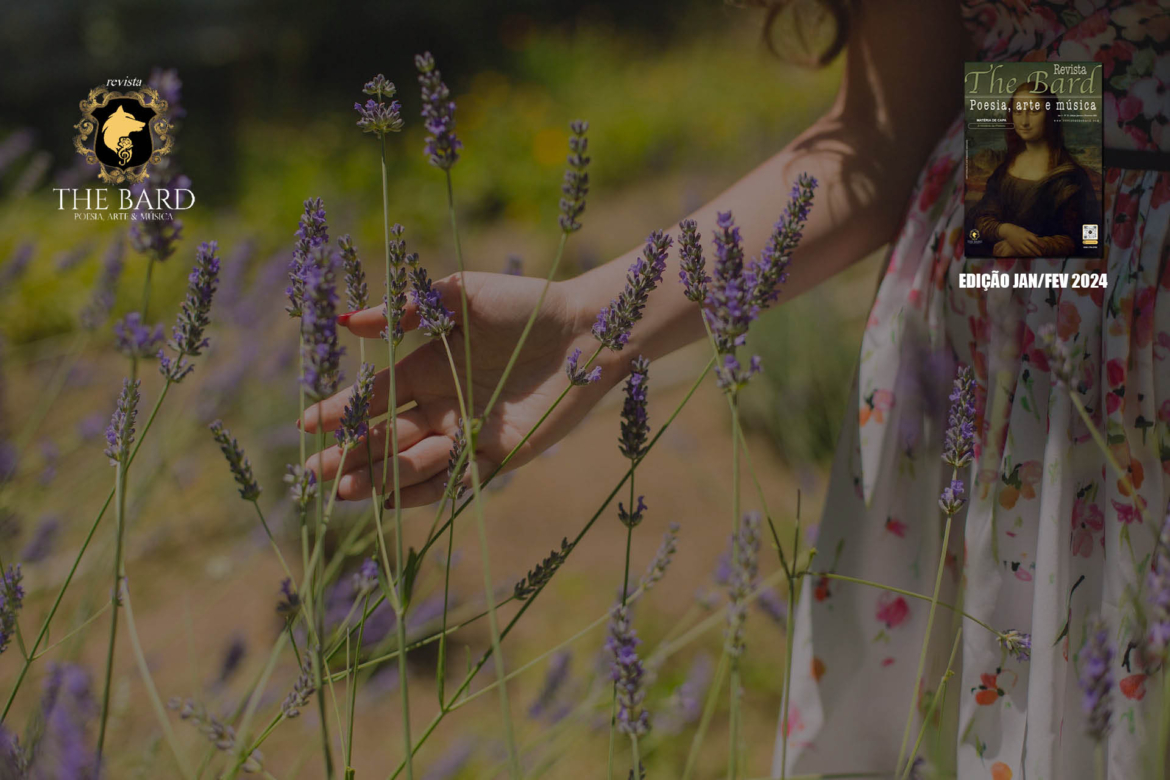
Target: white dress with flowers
[(1050, 536)]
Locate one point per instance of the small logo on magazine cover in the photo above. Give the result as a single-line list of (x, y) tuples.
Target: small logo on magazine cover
[(973, 234), (1089, 235), (122, 133)]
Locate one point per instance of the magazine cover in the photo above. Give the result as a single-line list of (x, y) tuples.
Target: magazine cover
[(1033, 159)]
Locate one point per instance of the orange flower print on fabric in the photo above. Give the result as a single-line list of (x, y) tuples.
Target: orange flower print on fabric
[(1022, 481), (817, 669), (1133, 687), (1001, 771), (877, 404), (990, 688)]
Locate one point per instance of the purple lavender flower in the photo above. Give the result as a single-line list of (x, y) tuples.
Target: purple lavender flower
[(960, 435), (134, 339), (744, 570), (355, 419), (733, 376), (67, 710), (43, 537), (514, 266), (218, 733), (685, 704), (120, 433), (237, 461), (365, 579), (71, 258), (627, 672), (290, 601), (576, 185), (770, 271), (50, 455), (14, 146), (303, 688), (635, 419), (694, 268), (554, 682), (16, 266), (233, 654), (1017, 644), (615, 321), (662, 559), (1097, 679), (322, 355), (633, 517), (156, 233), (357, 295), (379, 118), (169, 88), (434, 319), (951, 500), (105, 288), (11, 600), (187, 337), (580, 376), (451, 763), (772, 604), (454, 488), (379, 86), (1158, 599), (729, 308), (312, 232), (302, 484), (14, 758), (438, 113), (540, 574), (401, 266)]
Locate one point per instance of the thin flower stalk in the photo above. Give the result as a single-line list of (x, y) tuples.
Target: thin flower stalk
[(958, 452)]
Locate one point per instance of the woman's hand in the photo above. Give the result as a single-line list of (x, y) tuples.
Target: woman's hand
[(1023, 241), (499, 306)]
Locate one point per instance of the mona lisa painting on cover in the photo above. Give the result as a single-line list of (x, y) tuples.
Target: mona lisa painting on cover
[(1033, 159)]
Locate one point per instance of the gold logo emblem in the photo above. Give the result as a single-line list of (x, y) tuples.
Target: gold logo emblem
[(123, 133), (973, 234)]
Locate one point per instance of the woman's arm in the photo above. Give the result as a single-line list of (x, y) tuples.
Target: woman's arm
[(900, 91)]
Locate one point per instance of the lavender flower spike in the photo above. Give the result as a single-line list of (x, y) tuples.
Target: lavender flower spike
[(960, 436), (576, 185), (365, 579), (770, 271), (302, 689), (744, 571), (661, 562), (455, 487), (579, 376), (434, 319), (438, 113), (322, 355), (11, 599), (237, 461), (614, 322), (312, 232), (729, 308), (355, 418), (105, 289), (401, 265), (635, 420), (627, 671), (120, 433), (187, 337), (731, 376), (1097, 679), (302, 484), (357, 294), (693, 273), (134, 339), (1158, 594)]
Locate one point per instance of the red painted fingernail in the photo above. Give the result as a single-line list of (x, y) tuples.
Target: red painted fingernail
[(342, 319)]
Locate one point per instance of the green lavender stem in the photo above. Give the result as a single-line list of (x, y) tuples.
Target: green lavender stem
[(318, 616), (934, 701), (120, 510), (942, 559)]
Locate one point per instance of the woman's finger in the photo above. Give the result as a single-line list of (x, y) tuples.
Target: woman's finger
[(416, 464), (369, 323), (412, 428), (432, 490)]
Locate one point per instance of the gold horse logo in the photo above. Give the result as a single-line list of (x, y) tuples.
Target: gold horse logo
[(116, 132)]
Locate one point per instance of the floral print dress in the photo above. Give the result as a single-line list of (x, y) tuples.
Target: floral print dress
[(1050, 535)]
